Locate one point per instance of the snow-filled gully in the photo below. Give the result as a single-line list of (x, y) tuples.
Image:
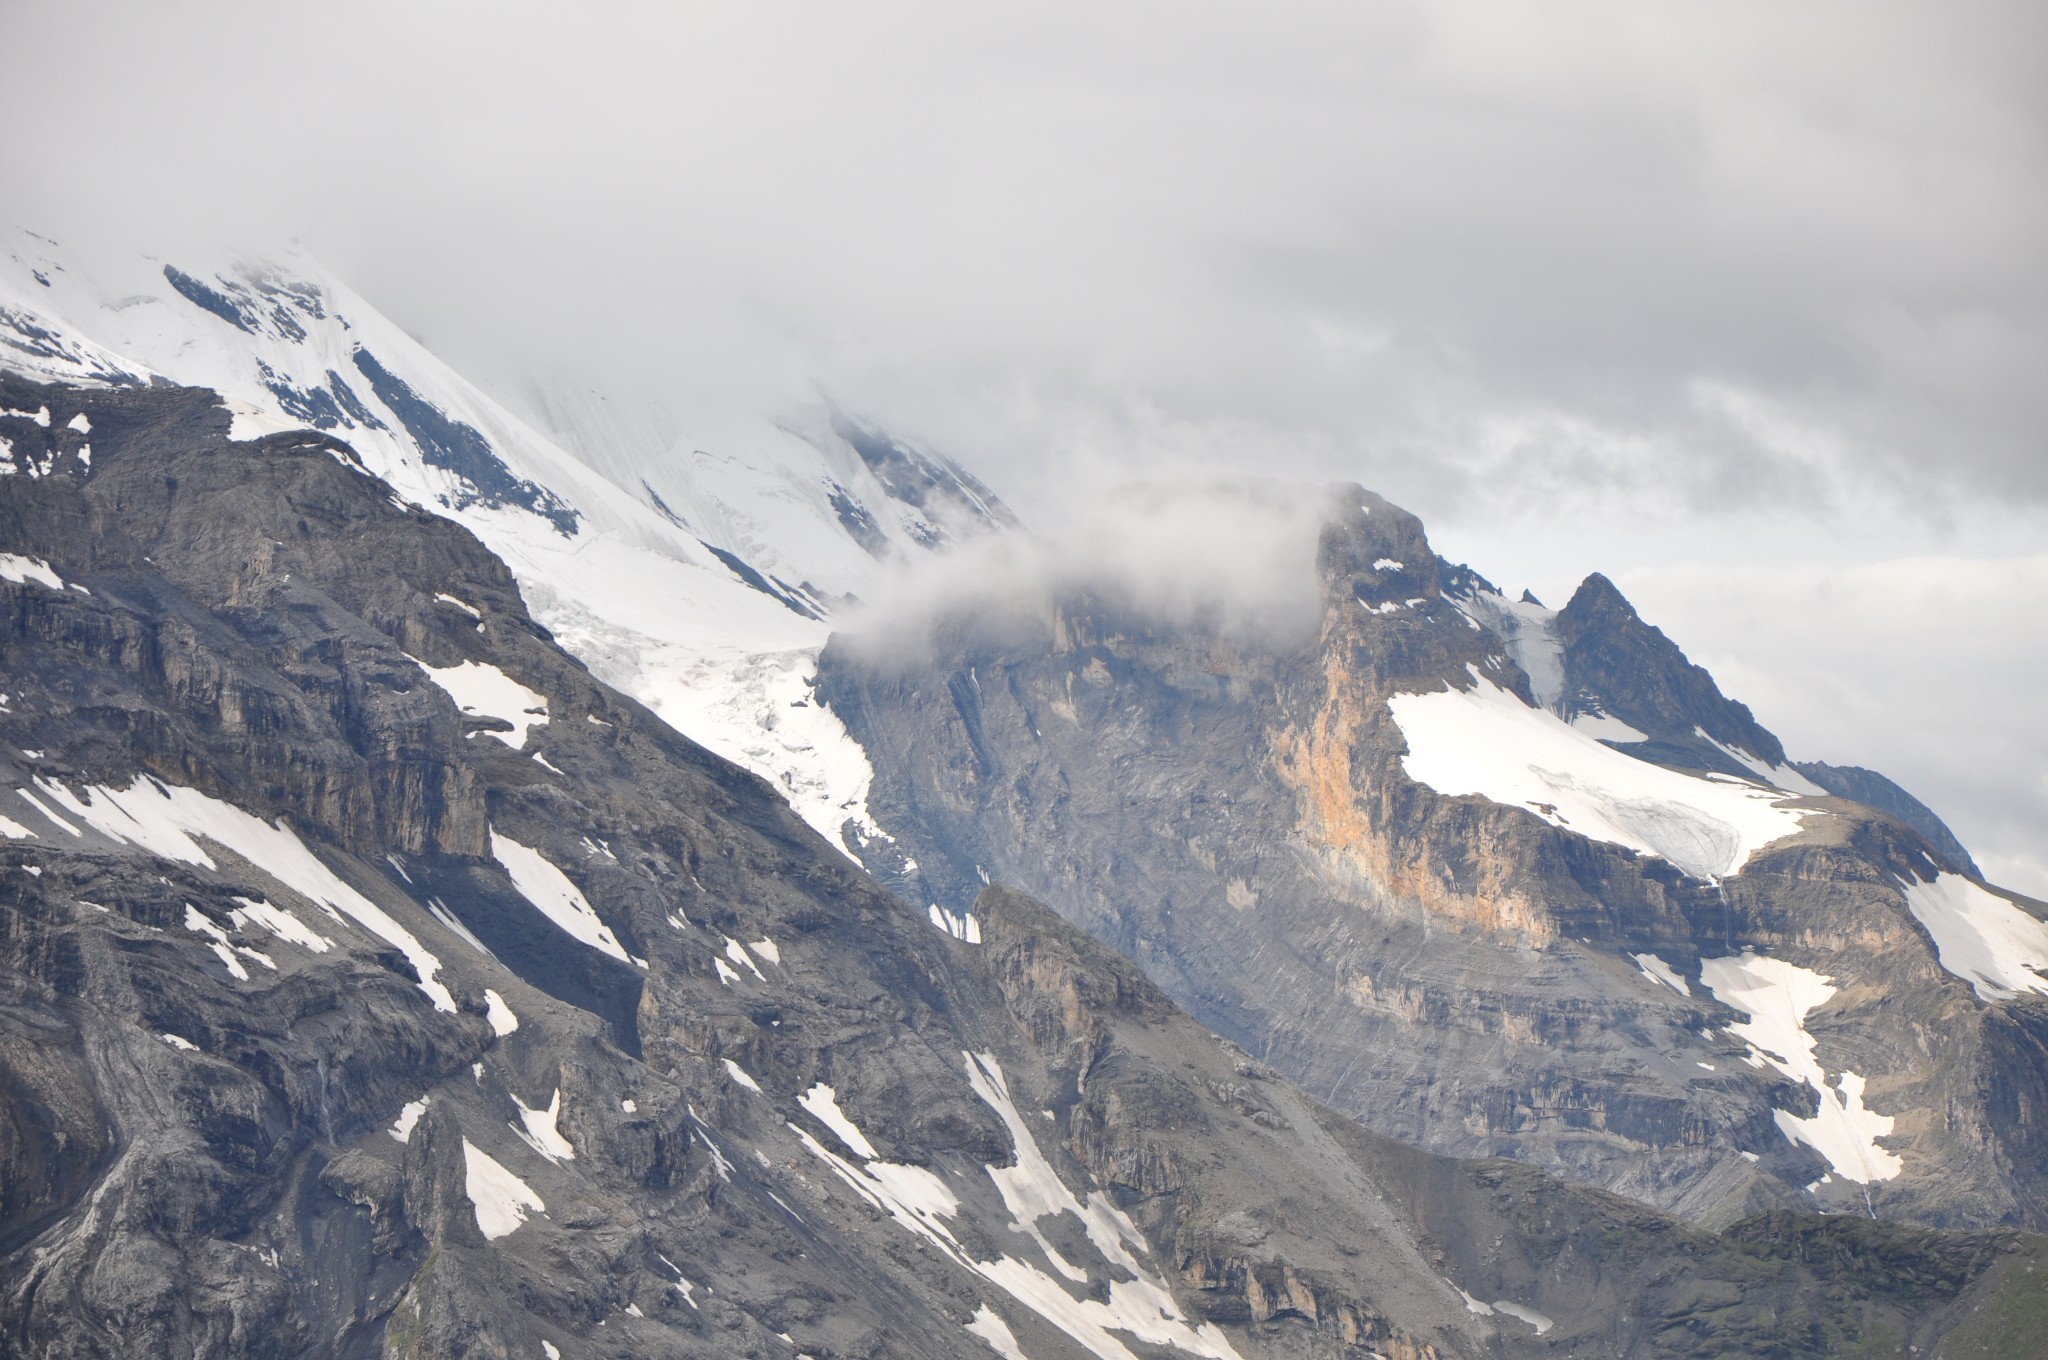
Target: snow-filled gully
[(921, 1202)]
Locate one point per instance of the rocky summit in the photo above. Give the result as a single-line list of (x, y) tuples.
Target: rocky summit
[(459, 902), (1493, 879)]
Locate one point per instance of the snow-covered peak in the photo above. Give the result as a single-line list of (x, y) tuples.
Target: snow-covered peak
[(683, 555)]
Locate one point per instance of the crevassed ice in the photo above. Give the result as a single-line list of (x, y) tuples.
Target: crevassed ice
[(164, 819), (1981, 937), (964, 928), (632, 592), (1778, 996), (1485, 741), (1530, 632)]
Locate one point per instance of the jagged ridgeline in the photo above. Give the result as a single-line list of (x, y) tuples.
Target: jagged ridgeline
[(379, 982), (384, 978), (1495, 879)]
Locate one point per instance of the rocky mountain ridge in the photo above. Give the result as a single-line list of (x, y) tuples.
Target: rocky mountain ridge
[(381, 983), (1496, 880)]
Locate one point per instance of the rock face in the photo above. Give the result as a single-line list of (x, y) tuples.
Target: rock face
[(380, 984), (1492, 879)]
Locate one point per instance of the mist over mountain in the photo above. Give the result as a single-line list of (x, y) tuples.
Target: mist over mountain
[(471, 896), (1347, 684)]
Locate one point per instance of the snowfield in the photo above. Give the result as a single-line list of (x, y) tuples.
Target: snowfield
[(1981, 937), (1487, 742), (1778, 996)]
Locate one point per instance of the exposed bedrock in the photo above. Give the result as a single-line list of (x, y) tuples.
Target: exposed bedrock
[(1238, 817)]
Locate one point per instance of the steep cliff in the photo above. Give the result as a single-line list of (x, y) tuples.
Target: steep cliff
[(1496, 880)]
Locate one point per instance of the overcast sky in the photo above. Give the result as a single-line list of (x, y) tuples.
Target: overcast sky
[(1742, 304)]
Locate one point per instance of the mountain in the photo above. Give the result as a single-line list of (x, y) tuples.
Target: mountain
[(1494, 879), (736, 557), (381, 983), (431, 923)]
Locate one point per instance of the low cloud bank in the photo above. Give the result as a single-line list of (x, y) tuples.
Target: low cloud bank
[(1235, 558)]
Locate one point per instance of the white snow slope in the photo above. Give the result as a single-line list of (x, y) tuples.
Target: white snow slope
[(611, 543), (1778, 996), (1982, 937), (1485, 741)]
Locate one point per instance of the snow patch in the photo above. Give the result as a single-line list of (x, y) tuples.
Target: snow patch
[(199, 924), (22, 570), (554, 896), (482, 690), (1485, 741), (164, 819), (742, 1076), (183, 1045), (1777, 776), (740, 956), (502, 1201), (1981, 937), (996, 1332), (920, 1201), (1657, 970), (1606, 727), (823, 1103), (408, 1115), (279, 923), (1535, 1319), (540, 1132), (1778, 996), (503, 1020)]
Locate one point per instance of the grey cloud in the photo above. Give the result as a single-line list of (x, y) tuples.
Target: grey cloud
[(1586, 285), (1363, 234)]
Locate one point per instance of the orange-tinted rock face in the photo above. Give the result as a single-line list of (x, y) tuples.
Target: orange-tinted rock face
[(1235, 816)]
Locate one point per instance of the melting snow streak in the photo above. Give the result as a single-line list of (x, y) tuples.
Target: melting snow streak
[(1778, 996)]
